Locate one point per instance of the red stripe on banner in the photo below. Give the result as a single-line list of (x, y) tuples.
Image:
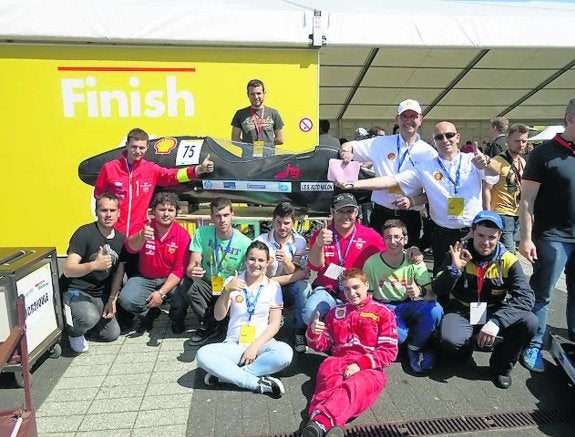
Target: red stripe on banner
[(149, 69)]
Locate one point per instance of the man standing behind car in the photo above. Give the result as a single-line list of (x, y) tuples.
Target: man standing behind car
[(257, 124), (133, 179)]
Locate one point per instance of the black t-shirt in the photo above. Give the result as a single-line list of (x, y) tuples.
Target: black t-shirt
[(86, 242), (553, 166)]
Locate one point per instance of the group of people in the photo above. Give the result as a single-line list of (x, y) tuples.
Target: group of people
[(371, 291)]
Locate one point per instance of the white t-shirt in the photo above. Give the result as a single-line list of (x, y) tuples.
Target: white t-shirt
[(270, 299), (440, 188), (294, 249), (387, 153)]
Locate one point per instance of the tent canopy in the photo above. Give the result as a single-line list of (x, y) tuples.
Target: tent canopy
[(467, 60)]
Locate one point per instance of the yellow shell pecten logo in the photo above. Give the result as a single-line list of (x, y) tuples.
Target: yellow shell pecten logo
[(164, 146)]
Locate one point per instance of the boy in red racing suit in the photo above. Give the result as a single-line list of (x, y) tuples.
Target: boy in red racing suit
[(362, 338), (133, 179)]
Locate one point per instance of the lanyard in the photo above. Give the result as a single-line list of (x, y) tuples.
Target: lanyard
[(251, 301), (457, 173), (217, 247), (564, 143), (259, 125), (290, 245), (401, 158), (481, 278), (517, 170), (338, 246)]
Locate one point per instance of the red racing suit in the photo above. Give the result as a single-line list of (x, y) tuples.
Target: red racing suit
[(135, 188), (365, 335)]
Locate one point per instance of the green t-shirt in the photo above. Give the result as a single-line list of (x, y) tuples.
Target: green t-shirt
[(388, 283), (228, 259)]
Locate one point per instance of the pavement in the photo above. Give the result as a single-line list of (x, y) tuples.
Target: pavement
[(149, 385)]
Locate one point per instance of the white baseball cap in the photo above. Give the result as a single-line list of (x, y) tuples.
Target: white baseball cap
[(407, 105)]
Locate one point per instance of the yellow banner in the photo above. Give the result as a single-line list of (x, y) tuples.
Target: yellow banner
[(63, 104)]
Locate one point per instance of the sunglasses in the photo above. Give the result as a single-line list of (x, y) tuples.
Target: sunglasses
[(448, 135)]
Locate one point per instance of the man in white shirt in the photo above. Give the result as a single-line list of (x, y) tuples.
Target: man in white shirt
[(287, 248), (452, 182), (391, 155)]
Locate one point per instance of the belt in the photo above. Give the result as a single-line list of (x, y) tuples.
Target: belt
[(464, 229), (395, 212)]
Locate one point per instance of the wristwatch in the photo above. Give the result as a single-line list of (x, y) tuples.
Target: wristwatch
[(162, 295)]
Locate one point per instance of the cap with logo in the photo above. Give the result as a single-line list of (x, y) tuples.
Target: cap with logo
[(408, 105), (489, 216), (344, 199)]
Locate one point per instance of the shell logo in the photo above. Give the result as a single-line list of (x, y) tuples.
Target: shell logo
[(437, 176), (239, 298), (391, 156), (165, 145)]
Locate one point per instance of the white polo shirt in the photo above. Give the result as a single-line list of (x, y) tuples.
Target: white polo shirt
[(270, 299), (390, 155), (295, 248), (439, 184)]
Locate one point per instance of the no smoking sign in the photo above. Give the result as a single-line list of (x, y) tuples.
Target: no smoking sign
[(305, 124)]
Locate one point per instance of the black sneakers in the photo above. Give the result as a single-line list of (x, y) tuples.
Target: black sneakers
[(501, 381), (210, 379), (148, 322), (202, 336), (270, 385)]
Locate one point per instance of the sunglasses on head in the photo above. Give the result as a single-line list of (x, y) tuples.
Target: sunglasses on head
[(448, 135)]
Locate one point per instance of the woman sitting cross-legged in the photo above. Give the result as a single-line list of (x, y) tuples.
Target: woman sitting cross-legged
[(249, 354)]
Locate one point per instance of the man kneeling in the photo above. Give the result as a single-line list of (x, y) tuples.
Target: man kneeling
[(362, 338), (488, 296), (93, 275)]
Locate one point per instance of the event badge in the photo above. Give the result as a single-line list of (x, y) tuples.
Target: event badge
[(478, 313), (395, 192), (217, 285), (68, 315), (333, 271), (455, 207), (247, 334), (258, 149)]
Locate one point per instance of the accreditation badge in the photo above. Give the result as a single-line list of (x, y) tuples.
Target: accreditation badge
[(258, 149), (455, 206), (477, 313), (217, 285), (247, 334), (395, 192)]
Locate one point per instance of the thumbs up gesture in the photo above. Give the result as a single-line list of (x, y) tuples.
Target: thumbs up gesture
[(480, 160), (413, 290), (236, 284), (102, 262), (317, 326), (148, 231), (207, 166), (325, 235)]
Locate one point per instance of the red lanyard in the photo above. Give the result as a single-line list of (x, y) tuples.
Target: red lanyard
[(564, 143), (258, 122), (481, 279)]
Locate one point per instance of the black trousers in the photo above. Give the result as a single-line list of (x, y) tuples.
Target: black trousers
[(410, 218), (441, 239), (456, 337)]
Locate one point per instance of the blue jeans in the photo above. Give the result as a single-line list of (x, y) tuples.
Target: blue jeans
[(418, 320), (552, 258), (319, 300), (137, 289), (222, 360), (296, 292), (87, 314), (510, 231)]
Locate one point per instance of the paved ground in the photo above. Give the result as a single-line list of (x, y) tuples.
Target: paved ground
[(148, 385)]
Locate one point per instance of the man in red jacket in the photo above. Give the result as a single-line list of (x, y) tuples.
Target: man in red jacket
[(133, 179), (362, 338)]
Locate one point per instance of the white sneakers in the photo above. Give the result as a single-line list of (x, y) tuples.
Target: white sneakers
[(78, 344)]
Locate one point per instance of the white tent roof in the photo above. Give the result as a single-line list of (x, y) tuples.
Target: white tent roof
[(467, 60), (547, 133)]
